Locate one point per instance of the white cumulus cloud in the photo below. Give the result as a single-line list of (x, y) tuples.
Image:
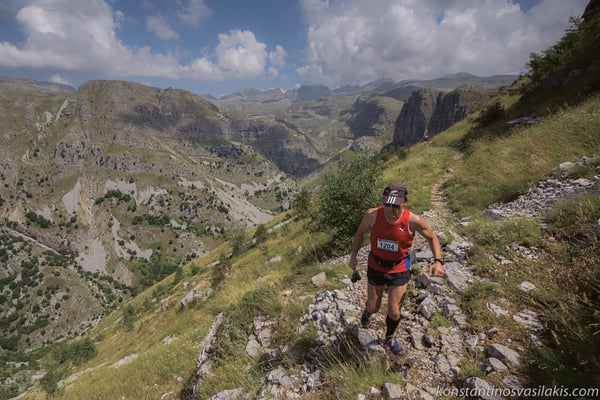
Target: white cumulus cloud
[(59, 79), (66, 36), (347, 41), (81, 37), (360, 40), (277, 57), (194, 12), (240, 55)]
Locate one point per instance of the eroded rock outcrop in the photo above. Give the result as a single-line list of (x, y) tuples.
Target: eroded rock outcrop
[(428, 112), (411, 124)]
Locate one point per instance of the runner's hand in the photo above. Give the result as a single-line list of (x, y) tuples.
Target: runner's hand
[(436, 269)]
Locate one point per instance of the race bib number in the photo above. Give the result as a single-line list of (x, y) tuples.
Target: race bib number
[(387, 245)]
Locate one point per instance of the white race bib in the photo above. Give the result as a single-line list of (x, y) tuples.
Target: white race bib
[(387, 245)]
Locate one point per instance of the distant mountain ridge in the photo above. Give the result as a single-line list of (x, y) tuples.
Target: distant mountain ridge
[(400, 90), (19, 85)]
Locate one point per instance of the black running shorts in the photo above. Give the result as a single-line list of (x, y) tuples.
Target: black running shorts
[(377, 278)]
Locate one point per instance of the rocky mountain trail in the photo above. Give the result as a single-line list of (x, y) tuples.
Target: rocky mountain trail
[(432, 357), (433, 354), (539, 199), (435, 333), (440, 208)]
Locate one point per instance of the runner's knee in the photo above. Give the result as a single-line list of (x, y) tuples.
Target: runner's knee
[(393, 312), (395, 315)]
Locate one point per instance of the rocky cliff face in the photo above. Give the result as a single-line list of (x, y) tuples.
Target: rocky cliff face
[(411, 124), (370, 116), (428, 112), (134, 115), (289, 150)]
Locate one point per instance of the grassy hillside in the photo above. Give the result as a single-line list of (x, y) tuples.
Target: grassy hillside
[(149, 347), (501, 165)]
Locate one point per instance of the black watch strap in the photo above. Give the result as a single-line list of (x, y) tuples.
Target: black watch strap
[(438, 260)]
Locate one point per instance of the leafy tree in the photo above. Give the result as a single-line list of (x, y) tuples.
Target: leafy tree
[(49, 382), (490, 114), (239, 244), (261, 234), (578, 43), (347, 193), (302, 203)]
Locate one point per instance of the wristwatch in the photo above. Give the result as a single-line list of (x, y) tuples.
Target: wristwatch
[(438, 260)]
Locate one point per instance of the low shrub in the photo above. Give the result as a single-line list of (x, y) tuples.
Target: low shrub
[(574, 218)]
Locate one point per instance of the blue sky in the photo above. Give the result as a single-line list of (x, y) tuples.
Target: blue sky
[(222, 46)]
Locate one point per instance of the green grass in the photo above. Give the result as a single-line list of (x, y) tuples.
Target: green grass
[(419, 167), (498, 236), (567, 283), (574, 217), (488, 168), (348, 373), (501, 167)]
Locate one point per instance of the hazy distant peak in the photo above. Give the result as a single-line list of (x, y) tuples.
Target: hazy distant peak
[(12, 85)]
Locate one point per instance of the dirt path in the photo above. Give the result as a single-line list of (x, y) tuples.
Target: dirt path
[(438, 201), (439, 205)]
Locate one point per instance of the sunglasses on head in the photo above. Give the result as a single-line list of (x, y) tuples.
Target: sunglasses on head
[(394, 206)]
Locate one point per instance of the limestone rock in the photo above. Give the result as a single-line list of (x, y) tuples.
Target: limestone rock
[(502, 352)]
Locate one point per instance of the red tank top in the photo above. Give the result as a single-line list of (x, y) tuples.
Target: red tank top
[(390, 243)]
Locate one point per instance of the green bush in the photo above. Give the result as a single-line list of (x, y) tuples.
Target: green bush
[(239, 242), (577, 43), (75, 353), (82, 350), (38, 219), (301, 203), (490, 114), (10, 343), (541, 64), (347, 193), (198, 228), (220, 271), (261, 234), (128, 317), (49, 382)]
